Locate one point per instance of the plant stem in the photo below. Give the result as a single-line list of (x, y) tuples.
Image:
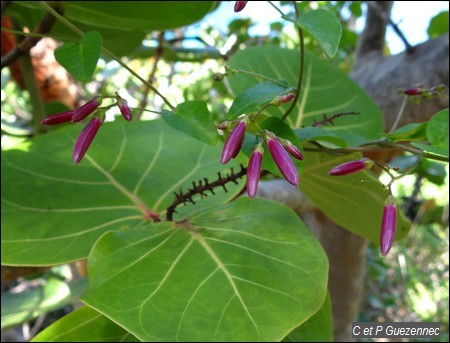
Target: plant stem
[(302, 67), (276, 8), (107, 52), (259, 75), (379, 145), (400, 114), (151, 76), (37, 104)]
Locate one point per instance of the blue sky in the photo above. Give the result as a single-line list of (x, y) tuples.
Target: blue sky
[(412, 18)]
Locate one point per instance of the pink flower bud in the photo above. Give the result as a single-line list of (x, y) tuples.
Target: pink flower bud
[(282, 99), (292, 149), (58, 118), (253, 171), (282, 160), (238, 148), (412, 91), (86, 109), (351, 167), (124, 109), (239, 5), (234, 142), (85, 139), (388, 225)]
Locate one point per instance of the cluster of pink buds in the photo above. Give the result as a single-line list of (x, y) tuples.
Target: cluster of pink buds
[(425, 93), (278, 148), (87, 135)]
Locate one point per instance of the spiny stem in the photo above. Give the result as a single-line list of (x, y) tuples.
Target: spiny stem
[(201, 188), (302, 67), (106, 51)]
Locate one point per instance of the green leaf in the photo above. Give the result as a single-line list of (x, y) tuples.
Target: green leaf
[(250, 100), (318, 328), (434, 150), (54, 211), (84, 325), (324, 27), (325, 90), (437, 129), (80, 59), (320, 135), (25, 306), (246, 271), (123, 25), (409, 132), (438, 25), (193, 118), (355, 201)]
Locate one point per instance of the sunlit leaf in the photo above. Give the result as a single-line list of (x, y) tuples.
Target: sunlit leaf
[(246, 271), (80, 59), (31, 303), (324, 27), (54, 211)]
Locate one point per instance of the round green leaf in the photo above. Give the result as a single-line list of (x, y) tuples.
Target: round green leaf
[(246, 271), (324, 27), (193, 118), (54, 211), (437, 129), (80, 59), (250, 100), (325, 90)]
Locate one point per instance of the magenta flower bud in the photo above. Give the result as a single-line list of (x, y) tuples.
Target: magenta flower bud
[(351, 167), (282, 160), (412, 91), (239, 5), (124, 109), (86, 109), (292, 149), (85, 139), (253, 171), (58, 118), (388, 225), (239, 147), (282, 99), (234, 142)]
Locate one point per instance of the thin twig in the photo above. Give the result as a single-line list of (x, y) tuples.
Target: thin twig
[(151, 76), (107, 52), (409, 48), (378, 145), (302, 67), (25, 45), (400, 114)]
